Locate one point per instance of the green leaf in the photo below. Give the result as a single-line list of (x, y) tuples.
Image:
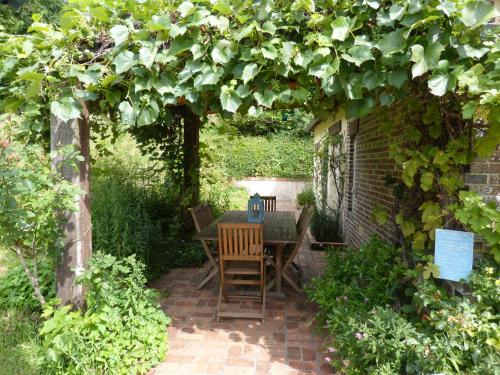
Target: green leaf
[(229, 99), (396, 12), (477, 13), (66, 109), (358, 54), (119, 34), (392, 42), (397, 77), (426, 181), (124, 61), (418, 241), (408, 228), (186, 8), (269, 27), (249, 72), (149, 114), (159, 23), (379, 214), (222, 52), (340, 28), (266, 99), (439, 84), (127, 113), (147, 56), (468, 110), (208, 76)]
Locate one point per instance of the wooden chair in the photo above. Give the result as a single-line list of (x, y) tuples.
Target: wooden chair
[(203, 217), (241, 255), (269, 202), (291, 253)]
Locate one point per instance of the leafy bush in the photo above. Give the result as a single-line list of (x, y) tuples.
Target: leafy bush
[(360, 297), (276, 156), (16, 291), (325, 226), (123, 331), (306, 197), (134, 211)]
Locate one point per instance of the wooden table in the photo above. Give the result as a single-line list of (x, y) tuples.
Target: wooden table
[(279, 229)]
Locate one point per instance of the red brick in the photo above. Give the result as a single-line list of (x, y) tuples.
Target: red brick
[(239, 362)]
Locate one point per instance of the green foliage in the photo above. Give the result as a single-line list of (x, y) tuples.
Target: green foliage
[(123, 331), (18, 342), (276, 156), (306, 197), (480, 217), (134, 211), (378, 329), (16, 290), (16, 20), (290, 122), (32, 197), (325, 226)]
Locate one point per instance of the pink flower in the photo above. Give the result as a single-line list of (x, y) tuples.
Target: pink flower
[(346, 298), (359, 335), (332, 350), (328, 359), (366, 299)]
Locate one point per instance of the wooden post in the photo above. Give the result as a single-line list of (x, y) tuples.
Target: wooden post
[(77, 225), (191, 165)]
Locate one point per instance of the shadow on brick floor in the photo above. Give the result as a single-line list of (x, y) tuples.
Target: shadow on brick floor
[(286, 343)]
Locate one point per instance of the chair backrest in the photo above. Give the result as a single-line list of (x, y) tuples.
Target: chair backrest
[(269, 202), (303, 222), (202, 216), (240, 241)]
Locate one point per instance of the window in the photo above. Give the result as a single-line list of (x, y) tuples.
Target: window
[(352, 131)]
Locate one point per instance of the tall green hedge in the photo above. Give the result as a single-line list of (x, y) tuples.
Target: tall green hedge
[(274, 156)]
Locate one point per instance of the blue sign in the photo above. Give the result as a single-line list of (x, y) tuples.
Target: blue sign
[(453, 254)]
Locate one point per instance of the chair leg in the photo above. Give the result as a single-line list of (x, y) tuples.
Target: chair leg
[(207, 278), (264, 298), (219, 304)]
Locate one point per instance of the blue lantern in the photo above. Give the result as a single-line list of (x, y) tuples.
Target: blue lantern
[(255, 209)]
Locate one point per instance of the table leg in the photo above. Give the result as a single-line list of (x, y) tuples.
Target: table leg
[(279, 263)]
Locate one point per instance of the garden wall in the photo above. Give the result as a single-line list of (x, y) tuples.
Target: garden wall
[(285, 189)]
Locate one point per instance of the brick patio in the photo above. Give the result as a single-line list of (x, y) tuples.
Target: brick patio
[(286, 343)]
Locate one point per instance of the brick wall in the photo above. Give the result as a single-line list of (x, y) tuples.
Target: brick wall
[(371, 164), (484, 177)]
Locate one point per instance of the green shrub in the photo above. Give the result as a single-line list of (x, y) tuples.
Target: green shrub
[(325, 226), (16, 291), (360, 297), (134, 211), (306, 197), (123, 331)]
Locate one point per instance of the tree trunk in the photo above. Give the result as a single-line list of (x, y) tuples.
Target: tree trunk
[(191, 162), (77, 225)]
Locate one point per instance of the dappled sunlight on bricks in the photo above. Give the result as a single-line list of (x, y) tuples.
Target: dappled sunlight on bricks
[(285, 343)]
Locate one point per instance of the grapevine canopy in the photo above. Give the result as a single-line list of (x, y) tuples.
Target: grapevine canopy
[(132, 60)]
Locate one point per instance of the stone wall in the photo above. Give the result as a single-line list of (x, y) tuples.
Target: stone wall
[(284, 189)]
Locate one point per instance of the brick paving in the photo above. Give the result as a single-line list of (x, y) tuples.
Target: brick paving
[(286, 343)]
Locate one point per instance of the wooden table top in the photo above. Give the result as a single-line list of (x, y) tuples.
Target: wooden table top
[(279, 226)]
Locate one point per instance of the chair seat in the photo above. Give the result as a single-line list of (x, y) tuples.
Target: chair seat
[(242, 268)]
